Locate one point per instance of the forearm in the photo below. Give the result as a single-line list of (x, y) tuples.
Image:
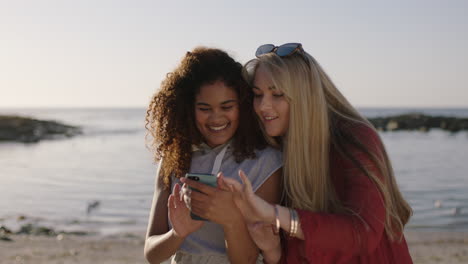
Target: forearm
[(273, 255), (161, 247), (239, 245)]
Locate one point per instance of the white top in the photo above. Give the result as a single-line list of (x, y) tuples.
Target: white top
[(209, 240)]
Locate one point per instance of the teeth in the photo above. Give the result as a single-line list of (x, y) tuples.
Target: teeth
[(270, 117), (217, 128)]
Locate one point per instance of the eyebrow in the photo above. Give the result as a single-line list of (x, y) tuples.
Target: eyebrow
[(269, 88), (223, 103)]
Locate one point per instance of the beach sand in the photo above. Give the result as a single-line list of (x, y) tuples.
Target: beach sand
[(425, 247), (438, 247)]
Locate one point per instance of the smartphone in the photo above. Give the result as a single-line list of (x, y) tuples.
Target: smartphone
[(208, 179)]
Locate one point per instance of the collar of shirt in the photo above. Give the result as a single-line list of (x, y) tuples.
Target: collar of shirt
[(204, 148)]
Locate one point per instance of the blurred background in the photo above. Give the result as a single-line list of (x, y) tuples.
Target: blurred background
[(96, 64)]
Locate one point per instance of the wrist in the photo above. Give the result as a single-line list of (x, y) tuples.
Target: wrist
[(177, 235), (272, 214), (276, 225), (233, 222)]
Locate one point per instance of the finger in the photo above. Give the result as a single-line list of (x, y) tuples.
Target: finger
[(170, 202), (221, 183), (199, 197), (200, 186), (235, 185), (187, 202), (176, 190), (200, 211), (184, 189), (246, 182)]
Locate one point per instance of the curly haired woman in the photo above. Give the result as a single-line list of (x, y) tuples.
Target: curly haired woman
[(203, 113)]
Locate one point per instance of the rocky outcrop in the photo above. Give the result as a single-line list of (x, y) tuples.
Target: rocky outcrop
[(421, 122), (28, 130)]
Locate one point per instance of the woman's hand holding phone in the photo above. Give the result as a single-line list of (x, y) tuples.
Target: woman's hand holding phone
[(179, 215)]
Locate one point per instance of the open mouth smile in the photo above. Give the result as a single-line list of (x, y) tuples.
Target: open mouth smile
[(218, 128), (270, 118)]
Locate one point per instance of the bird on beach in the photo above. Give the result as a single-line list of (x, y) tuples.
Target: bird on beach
[(456, 211), (92, 205)]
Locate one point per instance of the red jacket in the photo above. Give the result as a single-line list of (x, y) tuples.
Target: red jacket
[(350, 239)]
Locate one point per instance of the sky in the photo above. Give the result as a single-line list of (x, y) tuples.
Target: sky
[(103, 53)]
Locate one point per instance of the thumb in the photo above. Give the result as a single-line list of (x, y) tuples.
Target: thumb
[(247, 185)]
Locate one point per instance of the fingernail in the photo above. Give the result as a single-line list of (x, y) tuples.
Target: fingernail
[(182, 179)]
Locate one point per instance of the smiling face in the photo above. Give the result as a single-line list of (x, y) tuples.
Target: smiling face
[(216, 113), (270, 104)]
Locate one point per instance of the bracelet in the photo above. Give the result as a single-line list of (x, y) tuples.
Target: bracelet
[(276, 226)]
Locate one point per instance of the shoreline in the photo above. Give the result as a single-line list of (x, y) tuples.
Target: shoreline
[(425, 247)]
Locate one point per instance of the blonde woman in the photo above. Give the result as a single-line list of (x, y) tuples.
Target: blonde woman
[(342, 203)]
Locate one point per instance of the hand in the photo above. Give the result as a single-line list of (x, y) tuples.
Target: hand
[(179, 215), (214, 204), (253, 208), (185, 194), (263, 236)]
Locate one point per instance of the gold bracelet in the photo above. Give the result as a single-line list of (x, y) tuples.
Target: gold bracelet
[(276, 226)]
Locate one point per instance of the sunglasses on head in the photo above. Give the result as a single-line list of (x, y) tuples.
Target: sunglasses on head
[(282, 51)]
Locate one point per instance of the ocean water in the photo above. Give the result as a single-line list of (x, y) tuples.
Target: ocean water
[(53, 182)]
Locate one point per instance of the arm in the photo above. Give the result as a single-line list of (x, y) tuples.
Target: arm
[(161, 242), (358, 233), (263, 235), (218, 206), (265, 239)]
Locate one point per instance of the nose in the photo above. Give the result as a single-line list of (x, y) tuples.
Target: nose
[(216, 116), (265, 103)]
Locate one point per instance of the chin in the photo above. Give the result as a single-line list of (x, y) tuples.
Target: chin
[(273, 132)]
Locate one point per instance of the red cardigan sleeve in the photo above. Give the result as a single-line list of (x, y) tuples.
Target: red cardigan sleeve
[(358, 233)]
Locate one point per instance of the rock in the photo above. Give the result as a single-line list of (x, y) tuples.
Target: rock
[(29, 130), (419, 122), (30, 229), (4, 231), (5, 238), (21, 218)]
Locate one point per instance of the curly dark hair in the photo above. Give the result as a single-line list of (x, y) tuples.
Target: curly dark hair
[(170, 117)]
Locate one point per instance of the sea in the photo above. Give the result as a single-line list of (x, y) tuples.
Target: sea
[(103, 180)]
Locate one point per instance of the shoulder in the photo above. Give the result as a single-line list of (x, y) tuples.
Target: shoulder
[(366, 135), (259, 169), (269, 153), (358, 145)]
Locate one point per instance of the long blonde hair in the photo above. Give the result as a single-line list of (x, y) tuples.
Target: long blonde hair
[(317, 113)]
